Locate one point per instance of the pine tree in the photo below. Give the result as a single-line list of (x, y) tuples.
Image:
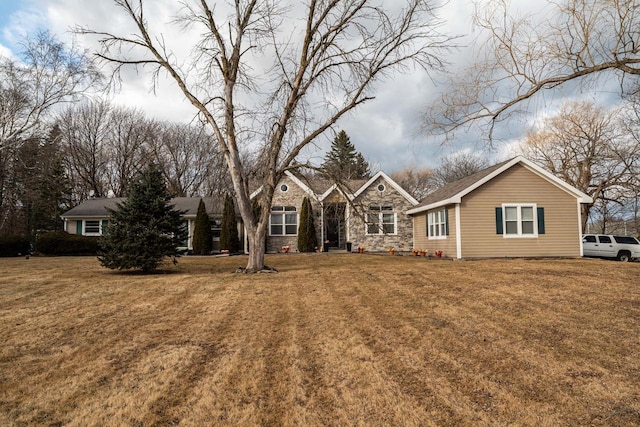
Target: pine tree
[(343, 162), (307, 238), (229, 230), (202, 235), (145, 228)]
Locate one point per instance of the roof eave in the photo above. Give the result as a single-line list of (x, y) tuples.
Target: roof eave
[(450, 201)]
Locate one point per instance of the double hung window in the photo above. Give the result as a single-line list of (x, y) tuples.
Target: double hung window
[(381, 220), (283, 221), (437, 226)]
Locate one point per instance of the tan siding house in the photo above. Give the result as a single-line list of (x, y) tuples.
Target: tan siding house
[(512, 209)]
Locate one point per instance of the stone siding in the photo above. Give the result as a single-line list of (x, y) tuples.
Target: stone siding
[(292, 197), (401, 240)]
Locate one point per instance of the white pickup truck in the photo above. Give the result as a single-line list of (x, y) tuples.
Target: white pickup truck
[(623, 248)]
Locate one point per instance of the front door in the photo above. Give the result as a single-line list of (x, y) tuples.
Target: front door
[(332, 232), (334, 224)]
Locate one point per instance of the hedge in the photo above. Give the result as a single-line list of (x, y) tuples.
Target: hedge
[(62, 243), (13, 246)]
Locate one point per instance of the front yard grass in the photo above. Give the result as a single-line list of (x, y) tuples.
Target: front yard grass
[(330, 340)]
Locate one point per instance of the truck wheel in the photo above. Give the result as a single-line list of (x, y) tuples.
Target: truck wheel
[(624, 256)]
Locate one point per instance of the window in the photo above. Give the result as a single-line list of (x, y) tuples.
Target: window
[(626, 239), (520, 220), (284, 188), (589, 239), (381, 220), (604, 239), (184, 234), (91, 227), (284, 221), (437, 227), (381, 187)]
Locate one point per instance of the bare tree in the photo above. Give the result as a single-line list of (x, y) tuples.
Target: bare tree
[(105, 147), (129, 134), (583, 145), (322, 58), (458, 166), (577, 42), (47, 74), (417, 182), (189, 159), (85, 139)]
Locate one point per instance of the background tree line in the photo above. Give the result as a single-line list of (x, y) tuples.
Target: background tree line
[(61, 144)]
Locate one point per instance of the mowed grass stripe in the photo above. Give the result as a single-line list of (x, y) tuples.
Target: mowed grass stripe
[(330, 340)]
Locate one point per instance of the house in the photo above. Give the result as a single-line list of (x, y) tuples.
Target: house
[(512, 209), (91, 217), (369, 214)]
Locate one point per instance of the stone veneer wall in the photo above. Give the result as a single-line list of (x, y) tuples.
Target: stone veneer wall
[(402, 240), (292, 197)]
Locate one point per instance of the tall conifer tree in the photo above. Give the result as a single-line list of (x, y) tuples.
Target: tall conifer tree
[(145, 228), (343, 162)]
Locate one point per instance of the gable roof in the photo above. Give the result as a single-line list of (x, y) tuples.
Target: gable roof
[(390, 181), (453, 192), (99, 207), (320, 188)]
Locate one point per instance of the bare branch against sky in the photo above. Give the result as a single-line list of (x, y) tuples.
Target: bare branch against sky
[(570, 45)]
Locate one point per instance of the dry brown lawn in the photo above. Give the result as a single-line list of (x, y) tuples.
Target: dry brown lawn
[(330, 340)]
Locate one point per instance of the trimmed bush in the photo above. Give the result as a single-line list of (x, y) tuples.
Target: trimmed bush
[(229, 239), (307, 239), (62, 243), (202, 235), (13, 246)]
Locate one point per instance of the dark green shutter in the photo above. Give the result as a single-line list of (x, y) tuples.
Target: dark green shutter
[(79, 227), (499, 221), (105, 222), (540, 220), (427, 216), (446, 222)]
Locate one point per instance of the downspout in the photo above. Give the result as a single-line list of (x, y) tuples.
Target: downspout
[(321, 243), (580, 228), (458, 236)]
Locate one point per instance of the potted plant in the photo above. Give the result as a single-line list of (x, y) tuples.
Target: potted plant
[(391, 251), (423, 252), (415, 252), (438, 254), (285, 249), (360, 249)]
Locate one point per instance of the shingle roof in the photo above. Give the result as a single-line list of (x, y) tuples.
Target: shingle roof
[(453, 188), (98, 207), (452, 192)]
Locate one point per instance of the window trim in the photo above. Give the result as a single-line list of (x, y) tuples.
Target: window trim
[(92, 233), (283, 211), (438, 224), (380, 211), (520, 234)]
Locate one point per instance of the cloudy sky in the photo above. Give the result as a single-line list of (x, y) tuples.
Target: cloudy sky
[(385, 130)]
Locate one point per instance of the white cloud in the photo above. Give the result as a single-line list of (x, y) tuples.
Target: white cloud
[(384, 129)]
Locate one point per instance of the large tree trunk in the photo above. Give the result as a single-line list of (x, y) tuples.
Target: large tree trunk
[(256, 250)]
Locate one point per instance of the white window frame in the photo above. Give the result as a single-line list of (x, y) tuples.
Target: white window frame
[(282, 212), (519, 220), (438, 221), (380, 211), (92, 233)]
